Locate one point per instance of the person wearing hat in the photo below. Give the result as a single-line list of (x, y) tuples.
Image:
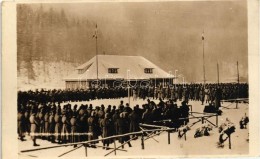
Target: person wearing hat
[(74, 129), (134, 121), (101, 112), (123, 128), (93, 128), (121, 105), (115, 118), (51, 127), (106, 126), (21, 124), (184, 111), (58, 126), (46, 122), (128, 109), (41, 121), (83, 123), (65, 131), (89, 110), (34, 126), (202, 95)]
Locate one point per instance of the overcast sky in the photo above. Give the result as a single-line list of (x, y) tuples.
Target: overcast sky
[(169, 34)]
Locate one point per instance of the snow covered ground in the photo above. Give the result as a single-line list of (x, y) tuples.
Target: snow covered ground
[(47, 75), (201, 146)]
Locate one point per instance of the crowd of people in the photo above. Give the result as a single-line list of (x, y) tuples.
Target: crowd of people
[(41, 115), (199, 92), (62, 125)]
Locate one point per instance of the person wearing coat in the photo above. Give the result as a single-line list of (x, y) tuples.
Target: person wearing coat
[(106, 126), (83, 125), (115, 118), (74, 129), (51, 127), (93, 128), (65, 131), (123, 128), (202, 96), (34, 127), (41, 120), (46, 123), (58, 126), (184, 110), (21, 125), (134, 121)]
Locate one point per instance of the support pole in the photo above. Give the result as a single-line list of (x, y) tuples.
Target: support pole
[(237, 86), (202, 120), (86, 151), (142, 141), (96, 36), (204, 76), (218, 72), (169, 138), (229, 141), (217, 120), (115, 145)]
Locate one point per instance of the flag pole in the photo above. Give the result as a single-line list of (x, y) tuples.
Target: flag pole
[(204, 76), (96, 36), (218, 72), (237, 73), (237, 86)]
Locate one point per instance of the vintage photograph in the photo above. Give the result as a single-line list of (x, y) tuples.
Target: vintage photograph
[(116, 79)]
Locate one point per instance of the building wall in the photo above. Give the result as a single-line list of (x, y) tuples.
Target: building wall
[(77, 84), (116, 83)]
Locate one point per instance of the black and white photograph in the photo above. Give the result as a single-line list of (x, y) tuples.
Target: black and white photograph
[(127, 79)]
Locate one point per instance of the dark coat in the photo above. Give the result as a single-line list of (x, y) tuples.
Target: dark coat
[(106, 126), (65, 128), (93, 128), (134, 122), (58, 126), (123, 128), (34, 125), (21, 124)]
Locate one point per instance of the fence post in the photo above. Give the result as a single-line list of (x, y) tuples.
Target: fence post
[(86, 151), (217, 120), (229, 141), (115, 145), (142, 140), (169, 137)]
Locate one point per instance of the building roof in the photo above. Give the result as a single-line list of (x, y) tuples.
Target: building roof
[(128, 67)]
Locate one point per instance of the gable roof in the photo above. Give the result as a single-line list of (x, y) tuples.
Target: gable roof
[(129, 67)]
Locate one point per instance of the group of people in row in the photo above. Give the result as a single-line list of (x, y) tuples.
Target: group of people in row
[(84, 123), (199, 92)]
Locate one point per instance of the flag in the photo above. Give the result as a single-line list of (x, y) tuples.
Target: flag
[(96, 32), (202, 35)]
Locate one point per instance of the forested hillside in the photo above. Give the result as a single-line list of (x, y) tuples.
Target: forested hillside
[(47, 35)]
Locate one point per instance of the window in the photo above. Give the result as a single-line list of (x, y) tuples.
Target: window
[(112, 70), (81, 71), (148, 70)]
